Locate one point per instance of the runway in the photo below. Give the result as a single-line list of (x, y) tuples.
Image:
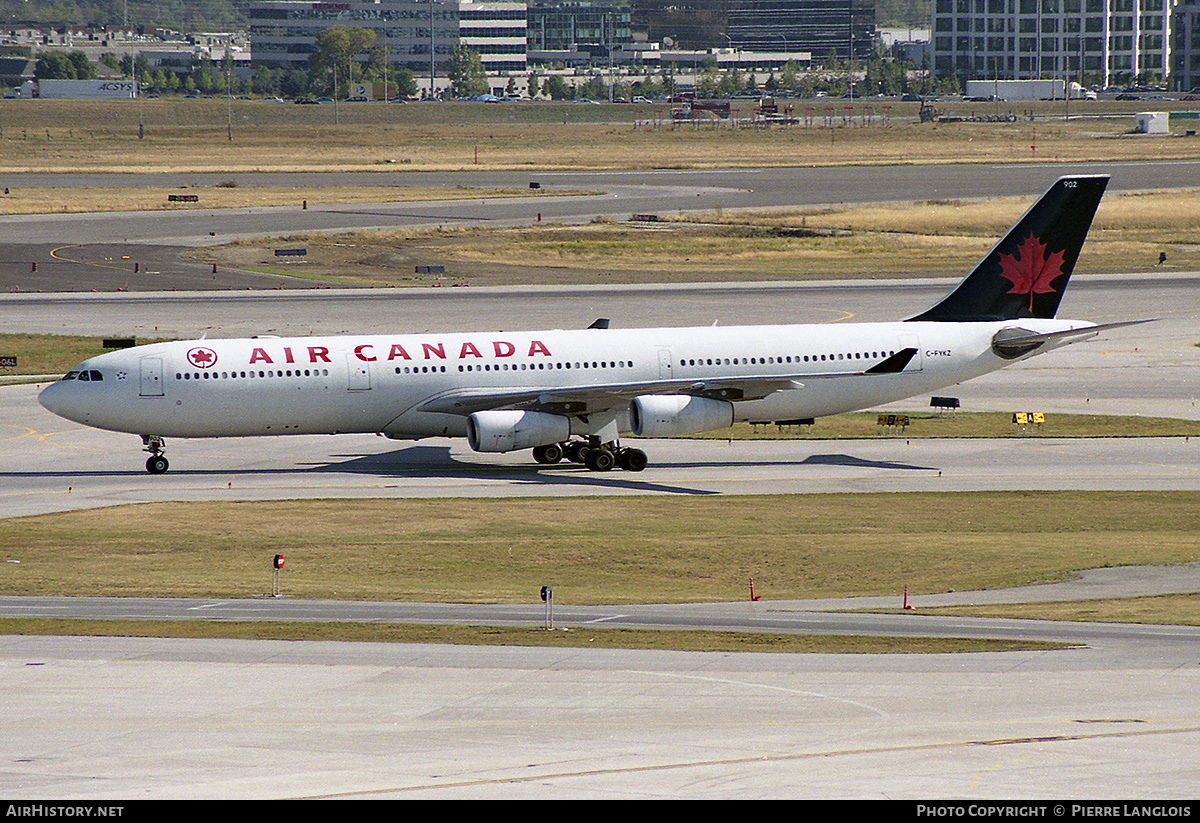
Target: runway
[(124, 718)]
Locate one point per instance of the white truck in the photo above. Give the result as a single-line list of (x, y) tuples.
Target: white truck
[(1012, 90), (93, 89)]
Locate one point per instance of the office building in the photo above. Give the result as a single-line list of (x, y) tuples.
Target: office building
[(844, 29), (1092, 42), (283, 33)]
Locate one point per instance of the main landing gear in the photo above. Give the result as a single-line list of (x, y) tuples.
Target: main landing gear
[(156, 463), (597, 456)]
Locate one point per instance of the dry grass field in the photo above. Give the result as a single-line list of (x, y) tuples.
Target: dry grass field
[(172, 134)]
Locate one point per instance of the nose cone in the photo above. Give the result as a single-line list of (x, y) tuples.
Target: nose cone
[(59, 398)]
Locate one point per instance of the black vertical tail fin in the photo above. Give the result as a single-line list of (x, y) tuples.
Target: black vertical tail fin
[(1026, 271)]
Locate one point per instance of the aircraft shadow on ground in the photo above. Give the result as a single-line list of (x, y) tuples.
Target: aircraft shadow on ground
[(439, 462), (850, 461)]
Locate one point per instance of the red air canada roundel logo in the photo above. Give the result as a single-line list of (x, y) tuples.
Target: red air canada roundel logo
[(202, 358)]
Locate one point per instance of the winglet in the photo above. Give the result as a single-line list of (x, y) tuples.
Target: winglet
[(1026, 271)]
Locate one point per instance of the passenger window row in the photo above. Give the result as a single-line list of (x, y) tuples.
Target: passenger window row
[(602, 364), (233, 375), (808, 358)]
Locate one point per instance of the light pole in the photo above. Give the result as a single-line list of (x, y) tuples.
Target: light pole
[(431, 42)]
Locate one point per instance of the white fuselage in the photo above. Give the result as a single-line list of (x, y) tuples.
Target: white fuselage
[(388, 383)]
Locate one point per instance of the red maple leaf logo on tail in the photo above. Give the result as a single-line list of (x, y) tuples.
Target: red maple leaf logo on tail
[(1031, 269)]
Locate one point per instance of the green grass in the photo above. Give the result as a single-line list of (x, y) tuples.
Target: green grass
[(597, 550), (51, 353)]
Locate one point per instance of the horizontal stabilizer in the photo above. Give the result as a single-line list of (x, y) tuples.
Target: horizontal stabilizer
[(1013, 342)]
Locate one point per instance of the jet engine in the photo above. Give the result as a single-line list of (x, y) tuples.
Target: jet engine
[(678, 414), (505, 430)]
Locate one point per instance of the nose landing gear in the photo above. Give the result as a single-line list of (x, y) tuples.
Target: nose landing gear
[(156, 463)]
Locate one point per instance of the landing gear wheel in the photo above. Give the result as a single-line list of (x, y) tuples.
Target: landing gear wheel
[(549, 454), (157, 464), (575, 451), (600, 460), (632, 460)]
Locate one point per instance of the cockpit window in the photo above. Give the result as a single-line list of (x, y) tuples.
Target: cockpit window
[(87, 375)]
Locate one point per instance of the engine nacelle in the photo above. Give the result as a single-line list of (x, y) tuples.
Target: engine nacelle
[(678, 414), (505, 430)]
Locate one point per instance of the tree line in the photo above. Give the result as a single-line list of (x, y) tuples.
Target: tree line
[(345, 57)]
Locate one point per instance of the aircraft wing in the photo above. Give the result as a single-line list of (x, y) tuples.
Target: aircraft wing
[(584, 399)]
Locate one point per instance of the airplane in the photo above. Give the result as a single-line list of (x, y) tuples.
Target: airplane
[(571, 394)]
